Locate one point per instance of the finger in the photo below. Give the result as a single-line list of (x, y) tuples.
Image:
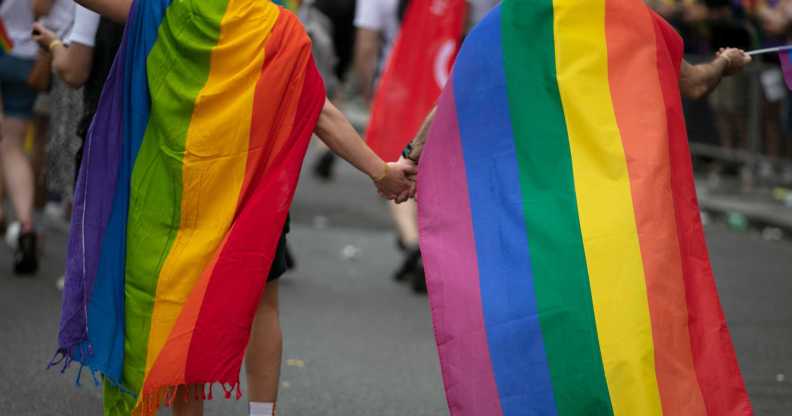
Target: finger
[(404, 196)]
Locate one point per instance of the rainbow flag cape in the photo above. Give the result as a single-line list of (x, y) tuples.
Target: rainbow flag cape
[(566, 262), (6, 43), (189, 171)]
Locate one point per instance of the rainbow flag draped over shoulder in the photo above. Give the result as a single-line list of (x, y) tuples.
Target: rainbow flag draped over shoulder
[(566, 261), (189, 171), (6, 43)]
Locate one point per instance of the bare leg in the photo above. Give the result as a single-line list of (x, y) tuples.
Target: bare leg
[(265, 350), (18, 169), (772, 129), (189, 407), (405, 217)]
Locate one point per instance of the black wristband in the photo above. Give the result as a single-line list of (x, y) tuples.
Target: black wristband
[(407, 150)]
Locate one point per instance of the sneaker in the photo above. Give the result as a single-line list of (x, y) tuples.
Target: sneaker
[(409, 266), (324, 167), (419, 278), (25, 256), (12, 234)]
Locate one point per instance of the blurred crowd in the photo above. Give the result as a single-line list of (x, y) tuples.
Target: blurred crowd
[(50, 83), (747, 122)]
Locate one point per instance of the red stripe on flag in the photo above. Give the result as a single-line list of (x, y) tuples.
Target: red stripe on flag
[(233, 293), (713, 353)]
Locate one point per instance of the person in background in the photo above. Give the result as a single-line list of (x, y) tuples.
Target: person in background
[(378, 23), (74, 66), (84, 59), (65, 110), (775, 20), (340, 18), (18, 99), (689, 17), (729, 27)]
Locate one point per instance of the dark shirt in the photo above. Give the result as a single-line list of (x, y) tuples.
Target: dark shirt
[(108, 39), (342, 14)]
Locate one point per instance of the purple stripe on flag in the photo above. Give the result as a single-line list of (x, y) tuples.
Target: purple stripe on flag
[(89, 220), (786, 65), (452, 270)]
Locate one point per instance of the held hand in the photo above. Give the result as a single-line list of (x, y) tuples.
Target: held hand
[(736, 60), (410, 193), (43, 36), (397, 180)]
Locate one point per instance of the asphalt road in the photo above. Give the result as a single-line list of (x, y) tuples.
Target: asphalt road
[(358, 343)]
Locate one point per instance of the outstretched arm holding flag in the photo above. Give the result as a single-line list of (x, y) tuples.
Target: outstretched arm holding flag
[(695, 81)]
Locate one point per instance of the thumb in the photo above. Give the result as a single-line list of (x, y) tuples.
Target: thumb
[(410, 170)]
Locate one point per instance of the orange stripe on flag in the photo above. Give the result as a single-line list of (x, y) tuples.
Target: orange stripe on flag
[(645, 139)]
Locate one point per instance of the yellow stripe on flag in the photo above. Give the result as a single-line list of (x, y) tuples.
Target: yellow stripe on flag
[(605, 206)]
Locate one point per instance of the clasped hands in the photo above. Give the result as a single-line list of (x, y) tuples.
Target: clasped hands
[(398, 184)]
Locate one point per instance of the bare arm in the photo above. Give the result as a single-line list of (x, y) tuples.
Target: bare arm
[(72, 64), (367, 47), (696, 81), (415, 149), (117, 10), (338, 134), (420, 138)]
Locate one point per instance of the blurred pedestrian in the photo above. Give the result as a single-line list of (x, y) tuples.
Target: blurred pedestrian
[(65, 107), (729, 27), (21, 72), (82, 59), (376, 24), (775, 23)]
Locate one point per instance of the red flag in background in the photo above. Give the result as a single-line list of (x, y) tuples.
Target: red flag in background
[(416, 72)]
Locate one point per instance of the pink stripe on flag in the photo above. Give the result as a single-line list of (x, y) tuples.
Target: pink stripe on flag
[(450, 260)]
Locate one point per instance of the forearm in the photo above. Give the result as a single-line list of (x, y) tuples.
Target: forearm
[(367, 45), (116, 10), (696, 81), (418, 142), (339, 135), (73, 63)]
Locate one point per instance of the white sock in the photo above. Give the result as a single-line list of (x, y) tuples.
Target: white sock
[(262, 409)]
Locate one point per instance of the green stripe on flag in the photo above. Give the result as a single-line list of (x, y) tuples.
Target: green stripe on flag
[(559, 265), (178, 68)]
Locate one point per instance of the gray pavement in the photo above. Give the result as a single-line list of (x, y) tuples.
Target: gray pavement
[(357, 343), (760, 207)]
